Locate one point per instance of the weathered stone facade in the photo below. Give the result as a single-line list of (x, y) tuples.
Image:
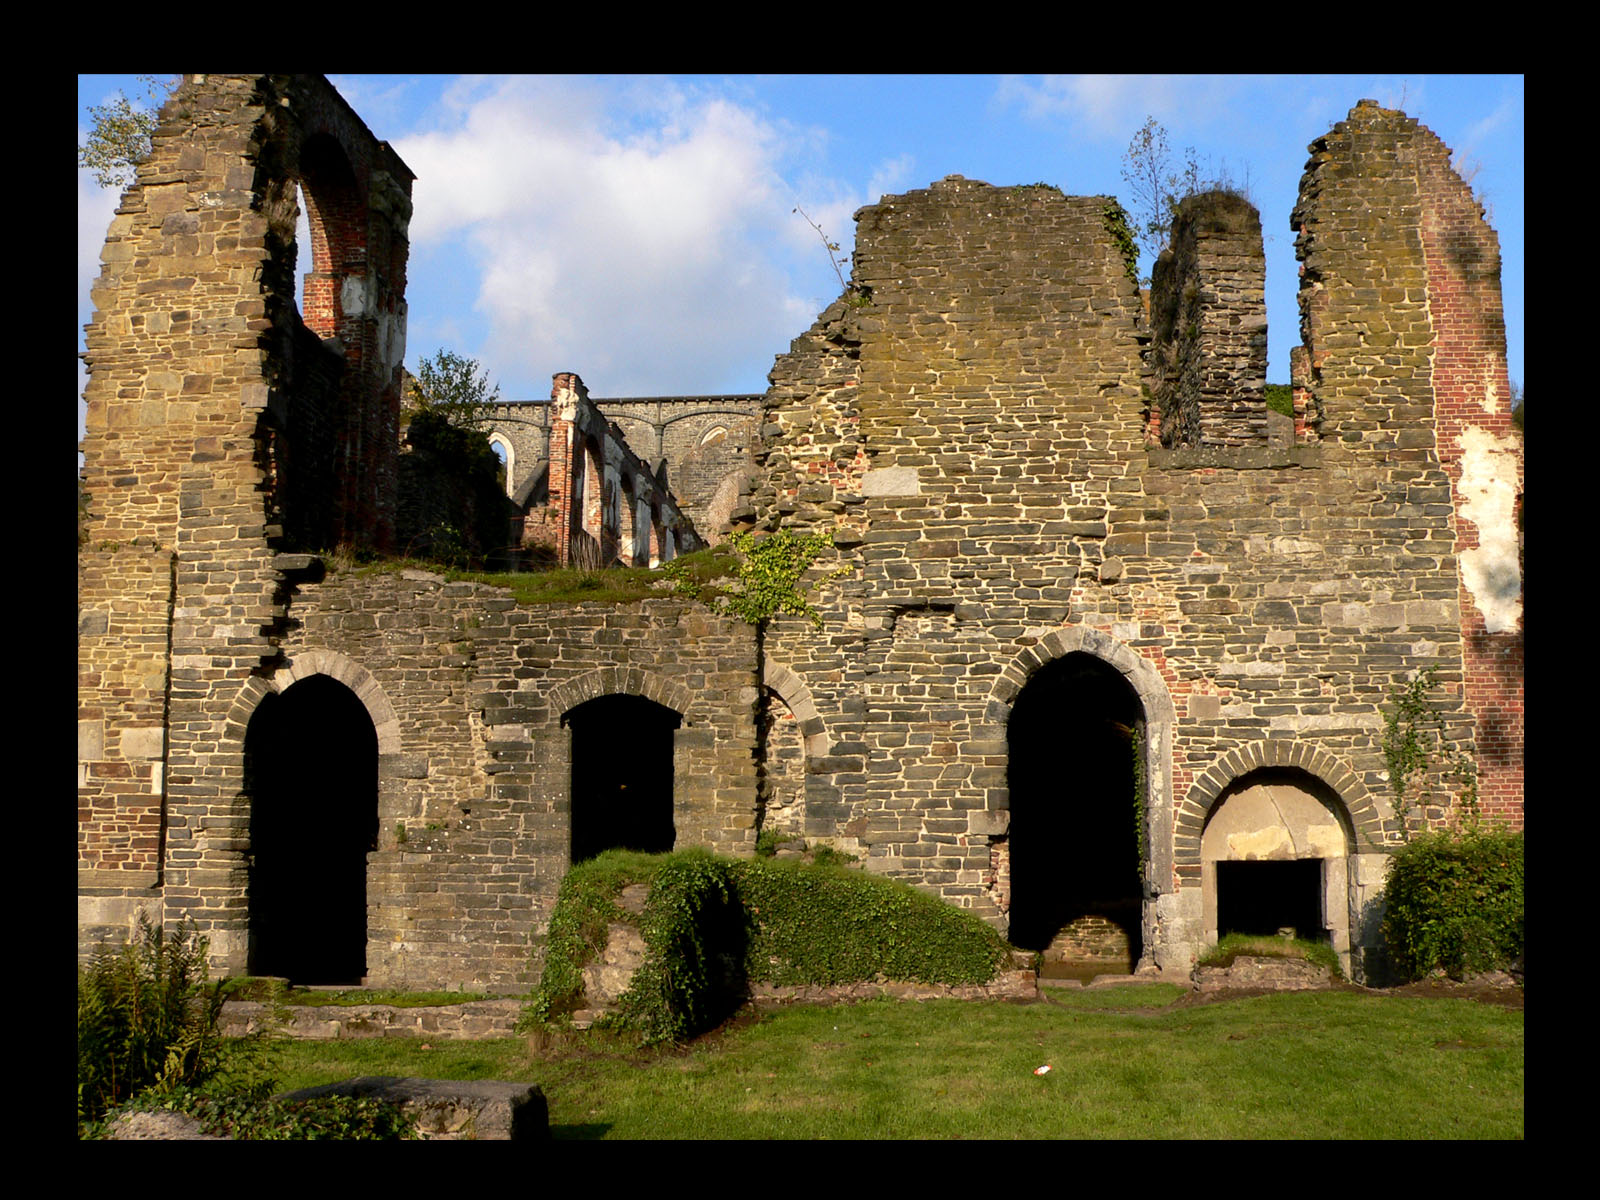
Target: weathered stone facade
[(1085, 671)]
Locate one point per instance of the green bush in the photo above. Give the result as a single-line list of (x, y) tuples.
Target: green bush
[(714, 925), (324, 1118), (1454, 903), (148, 1020)]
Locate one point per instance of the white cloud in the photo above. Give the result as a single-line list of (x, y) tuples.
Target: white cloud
[(632, 234)]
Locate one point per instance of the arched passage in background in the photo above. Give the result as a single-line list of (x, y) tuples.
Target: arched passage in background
[(311, 767), (622, 769), (1076, 880)]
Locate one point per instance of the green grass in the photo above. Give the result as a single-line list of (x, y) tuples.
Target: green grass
[(1232, 945), (1297, 1065), (576, 585)]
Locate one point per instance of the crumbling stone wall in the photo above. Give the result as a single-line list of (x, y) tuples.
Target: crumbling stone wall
[(215, 430), (476, 766), (1404, 336), (1208, 315), (967, 422)]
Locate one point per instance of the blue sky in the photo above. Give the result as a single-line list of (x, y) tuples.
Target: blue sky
[(640, 230)]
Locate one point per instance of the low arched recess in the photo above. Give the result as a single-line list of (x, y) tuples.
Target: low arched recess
[(1280, 834), (1155, 701), (1365, 819)]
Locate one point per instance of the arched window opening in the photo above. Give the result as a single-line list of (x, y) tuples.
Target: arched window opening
[(1076, 823), (311, 763), (335, 233), (622, 776)]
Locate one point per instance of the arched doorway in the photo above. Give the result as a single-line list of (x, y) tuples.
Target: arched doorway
[(311, 766), (1275, 855), (622, 768), (1076, 830)]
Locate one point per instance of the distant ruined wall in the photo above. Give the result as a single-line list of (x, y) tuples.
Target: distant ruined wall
[(705, 443), (606, 505)]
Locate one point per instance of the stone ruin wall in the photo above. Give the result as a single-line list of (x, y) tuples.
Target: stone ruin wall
[(476, 761), (1208, 315), (969, 421), (196, 399), (1404, 333), (966, 421)]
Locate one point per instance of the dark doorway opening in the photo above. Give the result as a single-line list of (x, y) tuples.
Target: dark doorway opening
[(311, 761), (621, 776), (1261, 898), (1074, 830)]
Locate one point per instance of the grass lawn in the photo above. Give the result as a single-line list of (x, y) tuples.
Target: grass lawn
[(1123, 1064)]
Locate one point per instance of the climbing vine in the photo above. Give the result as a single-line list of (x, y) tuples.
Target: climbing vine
[(1116, 222), (1414, 740), (1141, 821)]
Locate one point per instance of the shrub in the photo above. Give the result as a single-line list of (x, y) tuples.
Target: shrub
[(1454, 903), (147, 1019), (322, 1118), (713, 925)]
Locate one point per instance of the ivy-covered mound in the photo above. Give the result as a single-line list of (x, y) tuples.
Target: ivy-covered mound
[(1453, 902), (712, 926)]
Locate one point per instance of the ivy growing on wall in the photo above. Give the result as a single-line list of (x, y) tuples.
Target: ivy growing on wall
[(768, 577)]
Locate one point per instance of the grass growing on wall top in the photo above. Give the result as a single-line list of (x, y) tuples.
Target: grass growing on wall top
[(714, 925), (582, 585)]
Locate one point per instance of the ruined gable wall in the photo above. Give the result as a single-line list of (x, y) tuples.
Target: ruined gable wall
[(1405, 354), (966, 436), (973, 436), (192, 404)]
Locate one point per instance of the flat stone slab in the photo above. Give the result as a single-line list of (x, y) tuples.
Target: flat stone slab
[(1274, 974), (476, 1019), (448, 1110)]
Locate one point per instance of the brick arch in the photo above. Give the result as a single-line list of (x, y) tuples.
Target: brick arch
[(1154, 697), (1365, 820), (320, 662), (628, 681)]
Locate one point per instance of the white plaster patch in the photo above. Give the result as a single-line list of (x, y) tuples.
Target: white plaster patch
[(891, 481), (1488, 491), (1323, 841), (1274, 842), (353, 295)]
